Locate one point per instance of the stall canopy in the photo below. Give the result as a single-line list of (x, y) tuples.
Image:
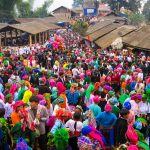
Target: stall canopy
[(98, 26), (102, 31), (108, 39), (139, 39)]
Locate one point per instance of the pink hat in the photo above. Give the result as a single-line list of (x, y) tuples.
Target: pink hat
[(138, 70), (52, 83), (60, 87), (18, 104), (136, 96), (42, 102), (32, 89), (108, 79), (25, 77), (96, 99), (107, 87), (86, 86), (108, 108), (40, 97), (88, 73), (82, 76)]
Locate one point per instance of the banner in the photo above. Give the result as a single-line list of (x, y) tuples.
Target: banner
[(90, 11)]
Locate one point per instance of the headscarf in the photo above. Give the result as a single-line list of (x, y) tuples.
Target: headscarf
[(127, 105), (25, 120), (91, 119), (88, 91), (7, 97), (113, 101), (123, 97), (136, 96), (52, 83), (60, 87), (96, 99), (96, 86), (58, 100), (61, 137), (43, 102), (13, 89), (54, 93), (62, 112), (40, 97), (27, 96), (48, 100), (111, 93), (88, 130), (21, 93), (7, 85), (25, 77), (85, 143), (108, 108), (107, 87), (18, 104)]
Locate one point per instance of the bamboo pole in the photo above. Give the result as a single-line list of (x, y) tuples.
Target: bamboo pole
[(35, 40), (30, 40)]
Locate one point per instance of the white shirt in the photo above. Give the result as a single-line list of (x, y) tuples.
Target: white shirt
[(50, 111), (140, 76), (129, 59), (70, 124), (143, 108), (139, 87), (2, 104), (55, 110), (75, 72), (134, 107), (8, 110)]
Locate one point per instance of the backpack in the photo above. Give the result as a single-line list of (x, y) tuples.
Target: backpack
[(132, 135)]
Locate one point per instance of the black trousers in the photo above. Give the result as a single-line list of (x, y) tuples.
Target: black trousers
[(42, 142), (73, 143)]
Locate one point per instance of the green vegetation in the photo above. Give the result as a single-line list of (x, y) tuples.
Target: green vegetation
[(146, 10), (132, 5), (19, 8), (80, 27), (136, 19)]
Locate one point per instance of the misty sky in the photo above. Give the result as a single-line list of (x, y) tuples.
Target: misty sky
[(56, 3)]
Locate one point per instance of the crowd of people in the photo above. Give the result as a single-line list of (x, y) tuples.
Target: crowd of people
[(66, 95)]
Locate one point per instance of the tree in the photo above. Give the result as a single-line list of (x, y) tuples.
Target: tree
[(11, 8), (136, 19), (25, 10), (80, 27), (77, 3), (132, 5), (43, 10), (116, 4), (146, 10), (7, 11)]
